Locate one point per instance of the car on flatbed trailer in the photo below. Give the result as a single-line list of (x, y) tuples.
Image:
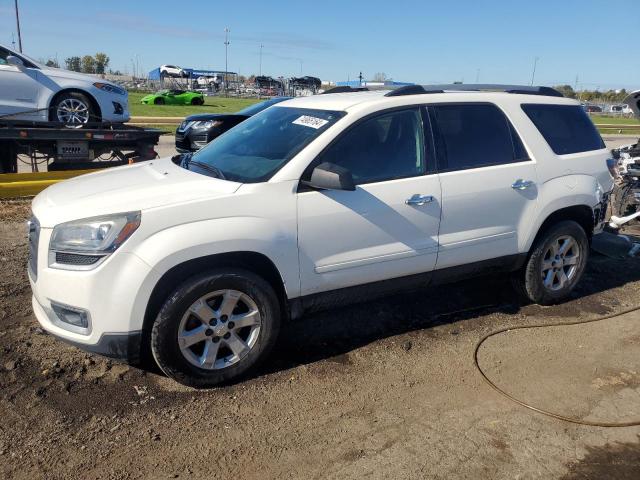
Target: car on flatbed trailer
[(196, 260)]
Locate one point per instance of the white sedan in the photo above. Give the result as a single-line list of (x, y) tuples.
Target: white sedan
[(34, 92)]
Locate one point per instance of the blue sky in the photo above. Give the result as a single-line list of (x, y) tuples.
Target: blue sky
[(423, 41)]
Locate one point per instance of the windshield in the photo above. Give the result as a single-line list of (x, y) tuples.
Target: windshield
[(258, 147), (258, 107)]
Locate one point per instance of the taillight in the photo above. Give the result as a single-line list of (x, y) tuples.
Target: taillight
[(612, 165)]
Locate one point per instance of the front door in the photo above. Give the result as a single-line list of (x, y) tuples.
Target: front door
[(19, 90), (388, 226)]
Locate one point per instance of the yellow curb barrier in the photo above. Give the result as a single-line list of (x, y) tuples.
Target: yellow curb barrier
[(14, 185)]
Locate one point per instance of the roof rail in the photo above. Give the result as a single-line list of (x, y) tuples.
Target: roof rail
[(484, 87), (410, 90), (345, 89)]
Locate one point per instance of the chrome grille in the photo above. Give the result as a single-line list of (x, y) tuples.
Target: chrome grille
[(34, 237)]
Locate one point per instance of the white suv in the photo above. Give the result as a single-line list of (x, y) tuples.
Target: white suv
[(314, 202), (30, 91)]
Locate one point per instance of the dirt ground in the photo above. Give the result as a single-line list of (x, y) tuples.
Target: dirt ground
[(382, 390)]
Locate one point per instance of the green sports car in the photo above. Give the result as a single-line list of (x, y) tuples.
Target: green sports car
[(173, 97)]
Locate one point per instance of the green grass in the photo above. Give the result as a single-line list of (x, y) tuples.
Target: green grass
[(614, 120), (211, 105)]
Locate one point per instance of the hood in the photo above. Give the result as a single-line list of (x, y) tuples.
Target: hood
[(213, 116), (141, 186), (68, 74), (633, 100)]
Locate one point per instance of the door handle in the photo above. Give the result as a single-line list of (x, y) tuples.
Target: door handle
[(419, 200), (521, 184)]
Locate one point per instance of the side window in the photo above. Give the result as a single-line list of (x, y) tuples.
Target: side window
[(566, 128), (3, 56), (385, 147), (474, 135)]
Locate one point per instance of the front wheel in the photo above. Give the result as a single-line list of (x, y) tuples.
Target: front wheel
[(158, 101), (73, 109), (215, 327), (556, 264)]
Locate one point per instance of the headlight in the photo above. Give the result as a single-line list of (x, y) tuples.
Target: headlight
[(108, 87), (82, 244), (206, 124)]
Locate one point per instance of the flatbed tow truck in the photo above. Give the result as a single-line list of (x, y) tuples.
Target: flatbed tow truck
[(57, 147)]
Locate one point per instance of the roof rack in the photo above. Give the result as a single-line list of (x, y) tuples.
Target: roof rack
[(345, 89), (470, 87)]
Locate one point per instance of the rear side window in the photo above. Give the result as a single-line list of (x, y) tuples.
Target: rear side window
[(566, 128), (474, 135)]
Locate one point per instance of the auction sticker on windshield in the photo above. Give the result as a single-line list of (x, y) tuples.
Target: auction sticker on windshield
[(309, 121)]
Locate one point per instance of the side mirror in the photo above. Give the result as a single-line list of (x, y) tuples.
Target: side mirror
[(15, 61), (328, 176)]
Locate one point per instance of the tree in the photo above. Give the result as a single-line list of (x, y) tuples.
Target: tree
[(101, 62), (380, 77), (52, 63), (73, 63), (566, 90), (88, 64)]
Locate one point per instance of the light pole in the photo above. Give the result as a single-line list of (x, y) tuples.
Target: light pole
[(260, 70), (226, 57), (533, 74), (18, 27)]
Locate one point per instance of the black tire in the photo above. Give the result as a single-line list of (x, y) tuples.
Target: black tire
[(528, 281), (197, 101), (164, 335), (158, 101), (626, 204), (93, 116)]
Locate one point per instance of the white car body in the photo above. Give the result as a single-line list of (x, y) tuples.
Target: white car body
[(28, 91), (319, 241), (172, 71)]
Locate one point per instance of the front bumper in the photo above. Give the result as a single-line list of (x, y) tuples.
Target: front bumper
[(114, 294), (121, 346)]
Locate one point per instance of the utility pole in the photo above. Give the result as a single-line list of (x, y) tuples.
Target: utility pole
[(226, 57), (18, 27), (533, 74), (260, 70), (13, 41)]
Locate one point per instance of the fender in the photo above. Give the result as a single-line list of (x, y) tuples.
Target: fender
[(559, 193)]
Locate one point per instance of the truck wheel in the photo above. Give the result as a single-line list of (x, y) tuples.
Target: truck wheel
[(215, 327), (73, 109), (556, 264)]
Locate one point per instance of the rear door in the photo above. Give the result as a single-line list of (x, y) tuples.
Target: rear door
[(388, 226), (488, 183)]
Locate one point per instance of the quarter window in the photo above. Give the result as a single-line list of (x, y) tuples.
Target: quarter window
[(566, 128), (385, 147), (474, 135)]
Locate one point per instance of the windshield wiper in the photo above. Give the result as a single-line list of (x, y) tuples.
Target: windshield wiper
[(204, 166)]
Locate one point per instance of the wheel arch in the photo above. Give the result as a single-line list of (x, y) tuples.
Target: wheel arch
[(581, 214), (254, 262), (94, 103)]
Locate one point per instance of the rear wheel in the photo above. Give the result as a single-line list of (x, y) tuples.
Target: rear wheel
[(197, 101), (215, 327), (556, 264)]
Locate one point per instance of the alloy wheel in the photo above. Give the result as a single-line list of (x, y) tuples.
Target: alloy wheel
[(73, 112), (219, 329), (560, 263)]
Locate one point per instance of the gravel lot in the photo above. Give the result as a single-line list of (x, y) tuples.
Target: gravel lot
[(382, 390)]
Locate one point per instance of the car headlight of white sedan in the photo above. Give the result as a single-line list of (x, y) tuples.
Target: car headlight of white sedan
[(84, 244)]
